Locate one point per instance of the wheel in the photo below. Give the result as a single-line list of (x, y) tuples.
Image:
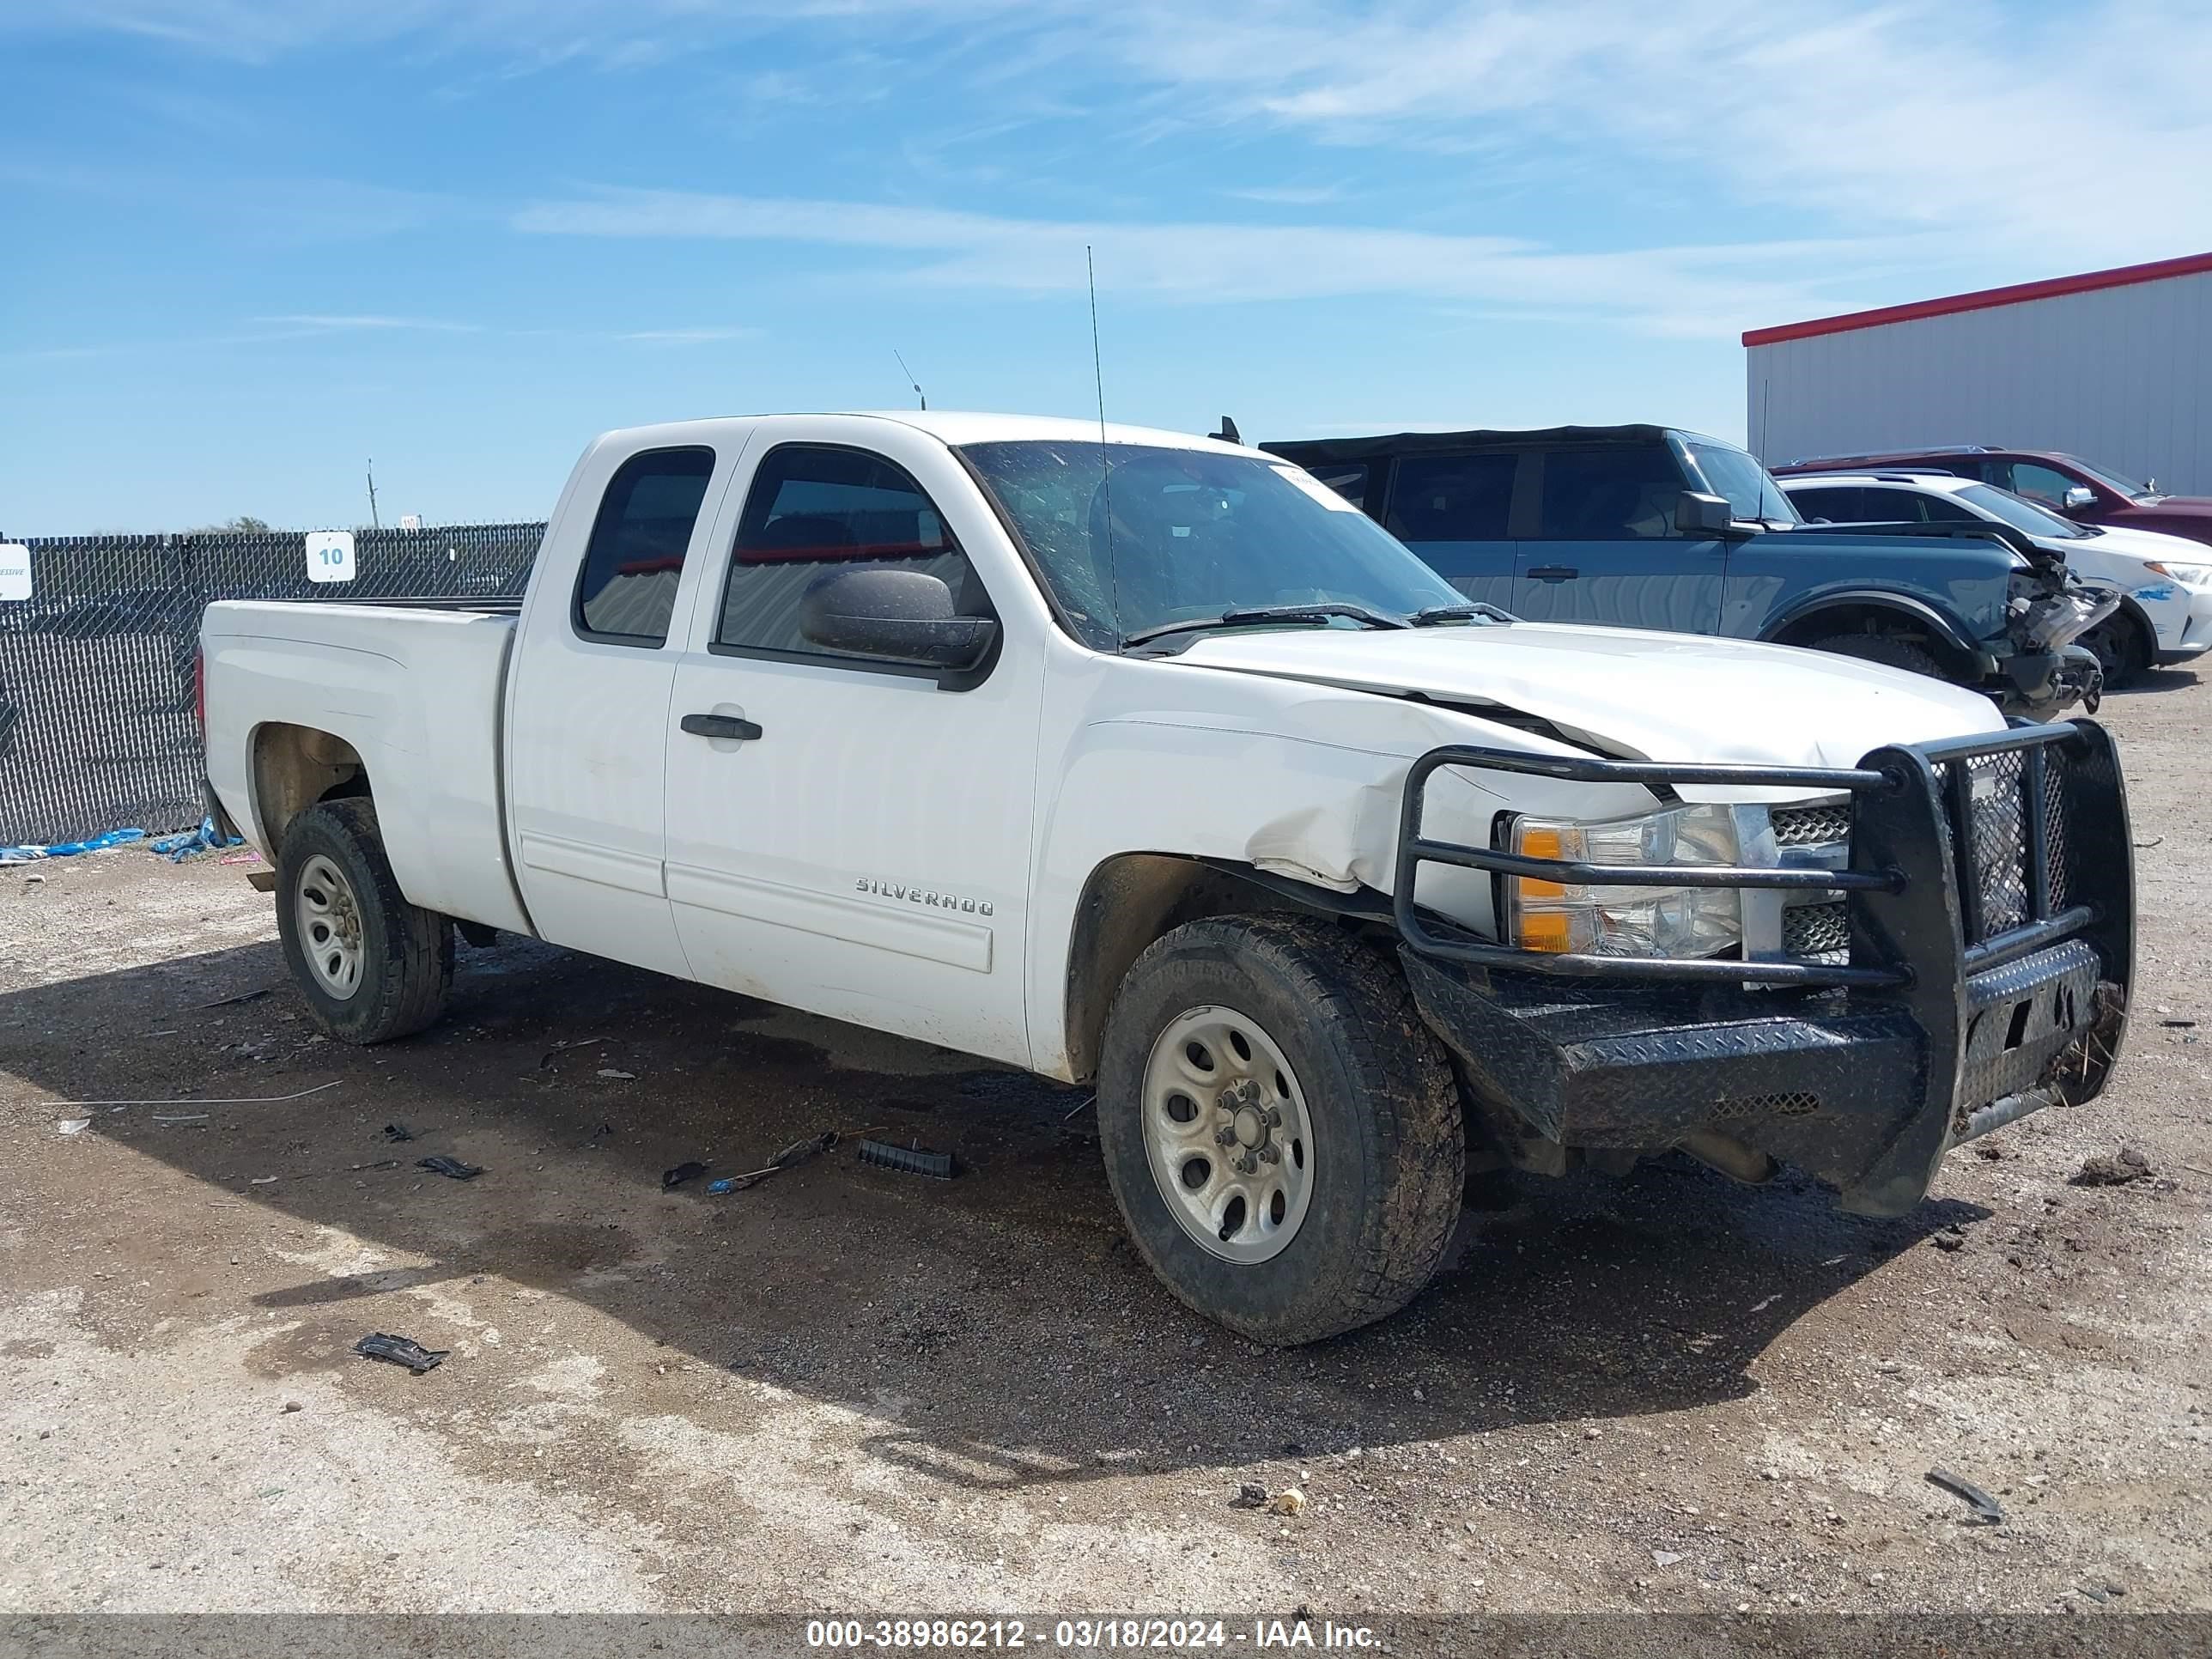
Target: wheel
[(373, 966), (2121, 649), (1280, 1130), (1890, 652)]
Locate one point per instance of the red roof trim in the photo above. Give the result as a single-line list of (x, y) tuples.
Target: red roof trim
[(2189, 265)]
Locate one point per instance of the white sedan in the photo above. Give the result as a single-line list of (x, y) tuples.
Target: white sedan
[(2165, 615)]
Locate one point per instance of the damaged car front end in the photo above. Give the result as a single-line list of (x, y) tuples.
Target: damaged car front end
[(1915, 952)]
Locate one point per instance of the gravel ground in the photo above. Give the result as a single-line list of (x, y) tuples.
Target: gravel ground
[(856, 1391)]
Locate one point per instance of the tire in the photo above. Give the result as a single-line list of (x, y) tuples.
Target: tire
[(1890, 652), (383, 966), (2121, 649), (1380, 1164)]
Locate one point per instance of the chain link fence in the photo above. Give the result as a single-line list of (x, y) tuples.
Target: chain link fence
[(96, 667)]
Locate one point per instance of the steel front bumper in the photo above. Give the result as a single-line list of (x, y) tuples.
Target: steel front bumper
[(1989, 975)]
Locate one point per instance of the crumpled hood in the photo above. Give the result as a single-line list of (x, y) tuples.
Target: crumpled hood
[(1654, 696)]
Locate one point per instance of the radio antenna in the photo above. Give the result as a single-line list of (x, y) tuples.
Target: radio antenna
[(911, 380), (1105, 469)]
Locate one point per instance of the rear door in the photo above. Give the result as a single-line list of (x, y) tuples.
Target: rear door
[(587, 700), (1456, 511), (1603, 547), (864, 850)]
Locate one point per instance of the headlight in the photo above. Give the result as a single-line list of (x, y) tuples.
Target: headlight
[(1627, 921), (2189, 575)]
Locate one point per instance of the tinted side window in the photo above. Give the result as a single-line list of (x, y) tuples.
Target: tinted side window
[(1609, 494), (1892, 506), (815, 511), (627, 588), (1941, 509), (1451, 498), (1839, 506), (2040, 484)]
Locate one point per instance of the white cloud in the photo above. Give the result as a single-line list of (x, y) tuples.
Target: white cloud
[(2036, 138), (679, 336), (329, 324), (1678, 290)]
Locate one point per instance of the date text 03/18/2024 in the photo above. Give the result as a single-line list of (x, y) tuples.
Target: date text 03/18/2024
[(1086, 1635)]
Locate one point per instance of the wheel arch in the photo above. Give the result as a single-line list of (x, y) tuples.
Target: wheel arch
[(293, 768), (1132, 899), (1875, 611)]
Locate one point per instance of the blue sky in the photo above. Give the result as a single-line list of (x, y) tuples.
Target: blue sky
[(251, 244)]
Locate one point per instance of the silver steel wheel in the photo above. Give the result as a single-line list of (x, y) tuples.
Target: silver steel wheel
[(330, 926), (1227, 1134)]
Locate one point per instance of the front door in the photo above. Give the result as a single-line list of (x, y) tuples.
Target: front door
[(844, 835), (1604, 549)]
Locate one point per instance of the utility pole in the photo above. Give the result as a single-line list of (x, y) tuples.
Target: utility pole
[(373, 522)]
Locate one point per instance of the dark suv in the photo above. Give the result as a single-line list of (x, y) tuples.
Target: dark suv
[(1647, 527), (2064, 484)]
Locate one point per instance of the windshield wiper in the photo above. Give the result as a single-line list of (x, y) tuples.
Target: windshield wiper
[(1429, 616), (1269, 613)]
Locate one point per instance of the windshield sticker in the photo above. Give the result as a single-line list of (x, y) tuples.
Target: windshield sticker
[(1314, 488)]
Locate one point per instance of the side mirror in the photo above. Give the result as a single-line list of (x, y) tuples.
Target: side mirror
[(897, 616), (2079, 497), (1697, 514)]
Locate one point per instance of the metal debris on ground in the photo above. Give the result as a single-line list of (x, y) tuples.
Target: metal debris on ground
[(546, 1058), (2177, 1024), (798, 1152), (73, 1125), (914, 1160), (618, 1076), (691, 1171), (233, 1002), (242, 1100), (400, 1351), (439, 1164), (2102, 1171), (396, 1133), (1986, 1508)]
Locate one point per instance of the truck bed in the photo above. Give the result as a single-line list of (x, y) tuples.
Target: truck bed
[(417, 688)]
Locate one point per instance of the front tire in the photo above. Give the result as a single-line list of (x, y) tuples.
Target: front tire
[(1890, 652), (2121, 649), (371, 966), (1281, 1131)]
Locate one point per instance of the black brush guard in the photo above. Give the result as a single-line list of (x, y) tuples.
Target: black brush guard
[(1989, 892)]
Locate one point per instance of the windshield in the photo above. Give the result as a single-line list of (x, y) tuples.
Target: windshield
[(2118, 481), (1190, 534), (2020, 515), (1750, 487)]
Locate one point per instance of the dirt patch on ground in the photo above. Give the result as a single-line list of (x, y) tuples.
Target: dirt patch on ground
[(853, 1390)]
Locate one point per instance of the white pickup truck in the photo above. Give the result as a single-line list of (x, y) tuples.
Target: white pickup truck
[(1129, 757)]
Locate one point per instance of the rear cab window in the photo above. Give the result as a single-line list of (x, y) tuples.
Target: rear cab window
[(816, 508), (634, 563)]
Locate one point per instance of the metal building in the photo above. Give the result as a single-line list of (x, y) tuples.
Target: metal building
[(2114, 367)]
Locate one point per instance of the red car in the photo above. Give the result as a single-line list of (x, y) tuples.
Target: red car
[(2064, 484)]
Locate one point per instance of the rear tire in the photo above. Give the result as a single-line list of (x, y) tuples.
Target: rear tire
[(371, 966), (1308, 1030), (1885, 649)]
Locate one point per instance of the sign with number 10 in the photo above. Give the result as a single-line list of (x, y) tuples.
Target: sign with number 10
[(329, 555)]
